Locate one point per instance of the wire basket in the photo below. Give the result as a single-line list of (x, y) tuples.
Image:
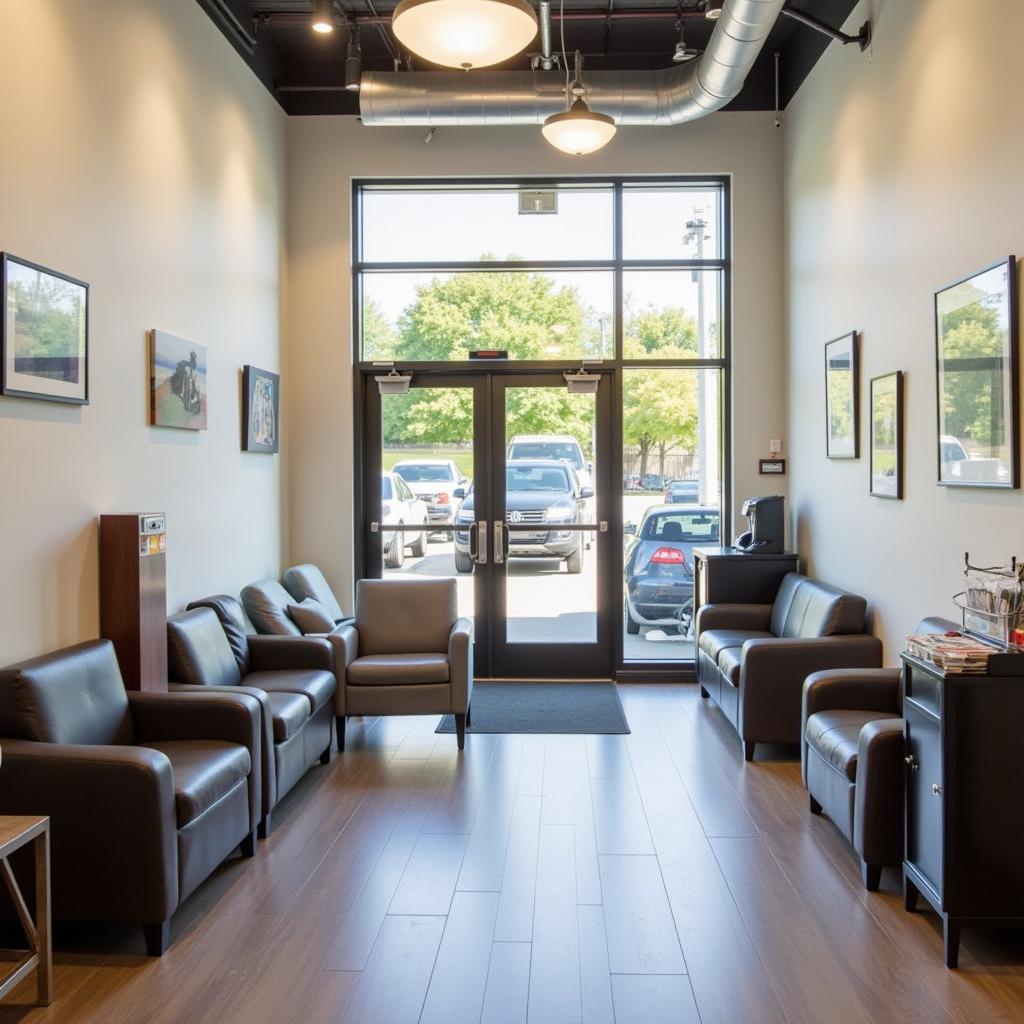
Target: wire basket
[(1004, 628), (992, 603)]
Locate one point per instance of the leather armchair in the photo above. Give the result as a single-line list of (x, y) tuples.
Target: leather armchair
[(753, 658), (290, 677), (147, 792), (407, 653)]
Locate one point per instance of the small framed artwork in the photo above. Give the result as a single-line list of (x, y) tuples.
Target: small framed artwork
[(771, 467), (261, 410), (44, 334), (177, 382), (842, 386), (977, 379), (887, 435)]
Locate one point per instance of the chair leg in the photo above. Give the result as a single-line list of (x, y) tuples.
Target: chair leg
[(157, 937), (748, 750), (325, 757), (704, 693), (264, 828), (248, 844), (469, 716), (340, 726), (460, 730), (815, 806), (871, 875)]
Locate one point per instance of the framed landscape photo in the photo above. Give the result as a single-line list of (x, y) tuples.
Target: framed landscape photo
[(44, 334), (177, 382), (842, 385), (261, 410), (887, 435), (977, 379)]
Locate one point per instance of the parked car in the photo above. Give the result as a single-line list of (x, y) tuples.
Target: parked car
[(558, 447), (659, 564), (434, 482), (542, 491), (682, 492), (400, 507)]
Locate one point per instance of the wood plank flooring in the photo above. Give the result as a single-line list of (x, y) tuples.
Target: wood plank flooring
[(646, 878)]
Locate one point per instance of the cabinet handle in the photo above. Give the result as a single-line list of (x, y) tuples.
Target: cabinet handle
[(911, 762), (936, 789)]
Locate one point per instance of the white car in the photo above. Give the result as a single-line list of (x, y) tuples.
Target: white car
[(434, 482), (400, 507)]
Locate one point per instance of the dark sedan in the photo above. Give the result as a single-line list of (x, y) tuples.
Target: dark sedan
[(659, 564)]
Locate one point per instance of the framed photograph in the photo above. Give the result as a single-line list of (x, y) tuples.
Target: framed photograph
[(887, 435), (842, 387), (261, 410), (44, 335), (977, 379), (771, 467), (177, 382)]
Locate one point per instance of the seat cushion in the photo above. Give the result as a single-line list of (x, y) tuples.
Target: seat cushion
[(290, 712), (266, 603), (398, 669), (729, 660), (714, 641), (835, 735), (317, 685), (203, 771), (807, 608)]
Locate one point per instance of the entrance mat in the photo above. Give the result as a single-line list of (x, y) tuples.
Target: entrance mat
[(563, 708)]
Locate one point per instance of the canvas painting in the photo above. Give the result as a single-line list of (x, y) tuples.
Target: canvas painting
[(177, 382), (261, 410), (44, 337)]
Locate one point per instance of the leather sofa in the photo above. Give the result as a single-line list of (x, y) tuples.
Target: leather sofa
[(752, 659), (407, 653), (852, 756), (266, 602), (208, 647), (147, 792), (307, 581)]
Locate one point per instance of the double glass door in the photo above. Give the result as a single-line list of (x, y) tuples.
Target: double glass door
[(465, 477)]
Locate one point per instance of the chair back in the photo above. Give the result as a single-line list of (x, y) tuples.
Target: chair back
[(302, 581), (405, 616), (806, 608), (75, 695), (234, 623), (266, 603), (198, 652)]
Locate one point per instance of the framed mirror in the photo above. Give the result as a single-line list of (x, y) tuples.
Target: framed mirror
[(887, 435), (842, 439)]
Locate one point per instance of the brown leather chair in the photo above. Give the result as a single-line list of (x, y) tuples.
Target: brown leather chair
[(852, 756), (147, 792), (407, 653), (291, 677), (753, 658)]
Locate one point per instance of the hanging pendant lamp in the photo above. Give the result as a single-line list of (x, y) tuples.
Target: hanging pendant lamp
[(579, 130)]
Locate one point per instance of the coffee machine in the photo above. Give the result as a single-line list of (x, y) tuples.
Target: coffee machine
[(766, 521)]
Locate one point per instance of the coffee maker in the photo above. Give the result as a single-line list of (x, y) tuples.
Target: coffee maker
[(766, 519)]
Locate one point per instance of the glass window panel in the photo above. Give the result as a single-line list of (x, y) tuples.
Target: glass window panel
[(671, 222), (534, 315), (430, 226), (672, 314)]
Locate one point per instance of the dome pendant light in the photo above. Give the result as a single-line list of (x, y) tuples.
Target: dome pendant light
[(579, 130), (465, 33)]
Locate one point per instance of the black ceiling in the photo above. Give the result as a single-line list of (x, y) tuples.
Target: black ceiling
[(305, 71)]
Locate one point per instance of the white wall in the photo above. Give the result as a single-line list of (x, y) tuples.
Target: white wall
[(142, 156), (324, 154), (903, 172)]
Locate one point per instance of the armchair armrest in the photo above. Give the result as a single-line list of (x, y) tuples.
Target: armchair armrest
[(734, 616), (460, 664), (344, 643), (290, 652), (112, 823), (878, 804)]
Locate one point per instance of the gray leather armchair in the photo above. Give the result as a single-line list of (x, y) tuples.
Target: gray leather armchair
[(147, 792), (753, 658), (407, 653)]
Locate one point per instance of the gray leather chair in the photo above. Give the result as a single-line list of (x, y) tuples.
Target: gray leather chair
[(291, 677), (753, 658), (407, 653), (146, 792), (852, 756), (307, 581)]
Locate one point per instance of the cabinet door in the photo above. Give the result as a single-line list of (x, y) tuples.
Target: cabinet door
[(924, 803)]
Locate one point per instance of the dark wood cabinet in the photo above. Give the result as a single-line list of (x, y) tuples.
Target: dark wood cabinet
[(729, 576), (964, 831)]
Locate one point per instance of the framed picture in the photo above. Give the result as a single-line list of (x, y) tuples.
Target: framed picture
[(887, 435), (44, 335), (177, 382), (977, 379), (842, 386), (261, 410)]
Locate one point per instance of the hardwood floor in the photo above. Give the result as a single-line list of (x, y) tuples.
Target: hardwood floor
[(646, 878)]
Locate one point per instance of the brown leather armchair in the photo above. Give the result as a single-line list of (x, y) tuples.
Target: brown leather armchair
[(753, 658), (407, 653), (147, 792), (208, 648), (852, 756)]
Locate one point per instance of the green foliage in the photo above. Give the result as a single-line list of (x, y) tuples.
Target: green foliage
[(48, 318)]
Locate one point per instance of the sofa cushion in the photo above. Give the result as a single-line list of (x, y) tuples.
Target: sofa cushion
[(311, 616), (233, 621), (290, 711), (198, 652), (203, 771), (398, 669), (806, 608), (729, 661), (835, 735), (714, 641), (405, 616), (266, 603), (302, 581), (317, 685)]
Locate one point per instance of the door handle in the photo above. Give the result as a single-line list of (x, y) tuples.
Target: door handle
[(481, 542), (499, 542)]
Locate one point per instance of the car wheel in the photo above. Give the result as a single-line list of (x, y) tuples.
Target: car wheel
[(395, 557), (632, 626), (574, 563), (419, 547), (463, 563)]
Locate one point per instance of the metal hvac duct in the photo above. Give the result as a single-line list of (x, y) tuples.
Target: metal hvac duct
[(677, 94)]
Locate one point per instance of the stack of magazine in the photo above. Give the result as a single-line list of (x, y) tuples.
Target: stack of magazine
[(953, 653)]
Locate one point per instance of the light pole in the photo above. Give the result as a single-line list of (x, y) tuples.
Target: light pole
[(707, 427)]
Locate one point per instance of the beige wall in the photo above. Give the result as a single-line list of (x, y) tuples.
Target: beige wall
[(324, 154), (902, 173), (142, 156)]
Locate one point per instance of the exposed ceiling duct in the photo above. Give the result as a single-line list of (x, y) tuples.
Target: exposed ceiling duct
[(677, 94)]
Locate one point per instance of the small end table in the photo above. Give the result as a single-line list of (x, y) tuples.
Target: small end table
[(17, 831)]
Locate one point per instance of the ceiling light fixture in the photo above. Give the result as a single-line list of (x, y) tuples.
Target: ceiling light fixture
[(465, 33), (578, 130), (354, 59), (323, 16), (684, 53), (713, 10)]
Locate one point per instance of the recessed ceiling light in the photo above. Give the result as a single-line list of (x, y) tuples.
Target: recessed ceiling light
[(323, 16)]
